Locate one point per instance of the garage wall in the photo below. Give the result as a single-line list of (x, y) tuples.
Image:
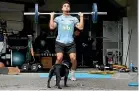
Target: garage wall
[(112, 38), (125, 41), (13, 14), (52, 5), (138, 29), (132, 25), (129, 23), (47, 7)]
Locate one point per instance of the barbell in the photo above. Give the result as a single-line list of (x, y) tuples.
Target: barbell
[(94, 13)]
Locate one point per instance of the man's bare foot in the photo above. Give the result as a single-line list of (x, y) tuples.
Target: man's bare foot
[(13, 70)]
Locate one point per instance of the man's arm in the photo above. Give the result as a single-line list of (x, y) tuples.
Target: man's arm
[(32, 52), (52, 24), (31, 49), (80, 25)]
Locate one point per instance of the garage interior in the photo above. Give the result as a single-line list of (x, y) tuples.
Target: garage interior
[(114, 37)]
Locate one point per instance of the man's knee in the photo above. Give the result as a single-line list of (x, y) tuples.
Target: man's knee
[(73, 57), (59, 58)]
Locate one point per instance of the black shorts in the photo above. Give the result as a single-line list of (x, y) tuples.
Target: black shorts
[(65, 48)]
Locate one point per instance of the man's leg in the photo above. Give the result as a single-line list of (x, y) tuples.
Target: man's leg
[(74, 65), (59, 58), (72, 54), (59, 49)]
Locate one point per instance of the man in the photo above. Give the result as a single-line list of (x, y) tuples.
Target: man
[(65, 41), (30, 50)]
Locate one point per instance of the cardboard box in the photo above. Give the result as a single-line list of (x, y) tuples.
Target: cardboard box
[(46, 62)]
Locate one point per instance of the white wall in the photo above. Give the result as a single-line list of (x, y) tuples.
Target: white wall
[(13, 14), (125, 41), (138, 31), (132, 24)]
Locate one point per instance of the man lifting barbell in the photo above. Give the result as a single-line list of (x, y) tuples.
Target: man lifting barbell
[(66, 23), (65, 41)]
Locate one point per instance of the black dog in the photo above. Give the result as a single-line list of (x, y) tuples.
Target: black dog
[(59, 70)]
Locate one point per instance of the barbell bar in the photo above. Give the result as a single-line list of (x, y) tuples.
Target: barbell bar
[(94, 13), (32, 13)]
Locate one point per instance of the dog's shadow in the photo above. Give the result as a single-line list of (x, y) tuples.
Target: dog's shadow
[(62, 85), (71, 84)]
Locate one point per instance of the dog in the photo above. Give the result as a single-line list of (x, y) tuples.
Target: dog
[(59, 70)]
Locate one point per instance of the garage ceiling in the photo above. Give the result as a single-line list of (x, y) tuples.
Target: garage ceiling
[(18, 1), (41, 2), (26, 1), (123, 3), (29, 1)]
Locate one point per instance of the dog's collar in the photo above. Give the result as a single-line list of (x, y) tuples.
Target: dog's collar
[(66, 65)]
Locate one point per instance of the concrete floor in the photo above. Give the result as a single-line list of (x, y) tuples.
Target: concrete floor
[(32, 81)]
